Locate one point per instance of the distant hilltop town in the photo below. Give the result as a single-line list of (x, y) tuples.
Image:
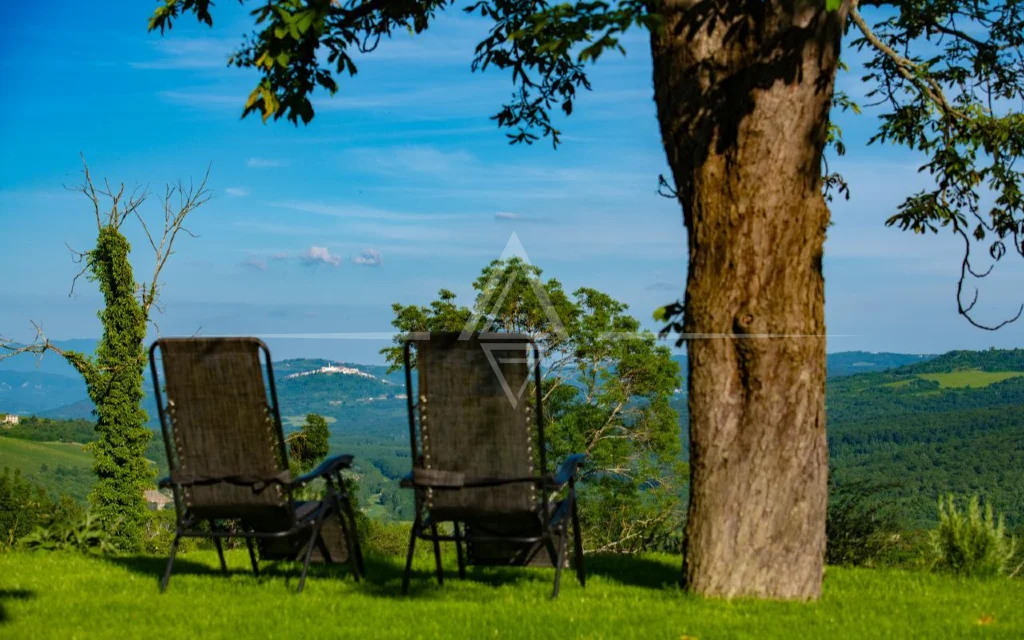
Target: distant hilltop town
[(334, 369), (8, 418)]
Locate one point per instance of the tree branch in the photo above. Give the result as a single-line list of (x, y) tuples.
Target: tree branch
[(905, 67)]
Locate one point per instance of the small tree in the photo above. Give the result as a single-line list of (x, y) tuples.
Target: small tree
[(606, 391), (114, 375), (309, 446)]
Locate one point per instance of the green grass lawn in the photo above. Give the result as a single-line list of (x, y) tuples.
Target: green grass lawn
[(64, 595), (972, 378)]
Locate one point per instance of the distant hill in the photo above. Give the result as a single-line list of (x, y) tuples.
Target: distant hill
[(303, 386), (50, 363), (25, 392), (990, 360), (846, 363), (54, 390)]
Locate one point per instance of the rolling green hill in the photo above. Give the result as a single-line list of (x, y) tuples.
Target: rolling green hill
[(58, 467)]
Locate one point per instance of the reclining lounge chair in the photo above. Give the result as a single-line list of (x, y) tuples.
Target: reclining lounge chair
[(479, 456), (229, 464)]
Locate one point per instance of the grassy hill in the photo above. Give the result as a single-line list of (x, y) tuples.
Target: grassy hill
[(58, 467)]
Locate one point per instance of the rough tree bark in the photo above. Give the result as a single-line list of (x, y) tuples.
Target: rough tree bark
[(743, 91)]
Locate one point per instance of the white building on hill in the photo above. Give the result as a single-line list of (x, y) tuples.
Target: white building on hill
[(8, 418)]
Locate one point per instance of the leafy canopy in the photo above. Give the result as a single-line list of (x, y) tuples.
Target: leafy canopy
[(948, 76)]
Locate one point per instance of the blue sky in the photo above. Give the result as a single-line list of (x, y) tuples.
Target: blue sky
[(402, 165)]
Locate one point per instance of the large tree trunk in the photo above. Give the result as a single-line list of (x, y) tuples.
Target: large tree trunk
[(743, 91)]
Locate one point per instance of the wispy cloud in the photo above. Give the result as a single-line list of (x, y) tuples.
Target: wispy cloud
[(320, 255), (187, 53), (264, 163), (421, 159), (237, 192), (517, 217), (255, 263), (368, 258), (281, 255), (363, 212)]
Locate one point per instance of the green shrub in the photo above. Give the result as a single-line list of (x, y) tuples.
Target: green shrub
[(971, 543), (82, 533), (861, 530), (23, 505)]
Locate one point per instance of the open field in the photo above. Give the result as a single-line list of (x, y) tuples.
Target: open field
[(58, 467), (972, 378), (64, 595)]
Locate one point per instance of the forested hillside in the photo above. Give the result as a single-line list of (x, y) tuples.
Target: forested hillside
[(930, 425), (954, 423)]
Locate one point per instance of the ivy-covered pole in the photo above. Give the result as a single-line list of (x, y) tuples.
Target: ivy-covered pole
[(114, 375)]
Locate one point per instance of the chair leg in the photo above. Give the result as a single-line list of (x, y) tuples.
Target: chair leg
[(220, 548), (309, 547), (581, 573), (437, 553), (347, 504), (458, 552), (561, 561), (252, 556), (408, 556), (170, 562), (348, 528)]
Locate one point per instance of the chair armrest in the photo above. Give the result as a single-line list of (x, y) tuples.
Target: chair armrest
[(569, 469), (328, 467), (406, 481)]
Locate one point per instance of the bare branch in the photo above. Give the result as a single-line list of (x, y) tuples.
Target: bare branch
[(40, 345), (78, 257), (189, 199)]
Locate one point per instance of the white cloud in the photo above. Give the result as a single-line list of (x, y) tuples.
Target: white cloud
[(281, 255), (237, 192), (264, 163), (255, 263), (320, 255), (368, 257)]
